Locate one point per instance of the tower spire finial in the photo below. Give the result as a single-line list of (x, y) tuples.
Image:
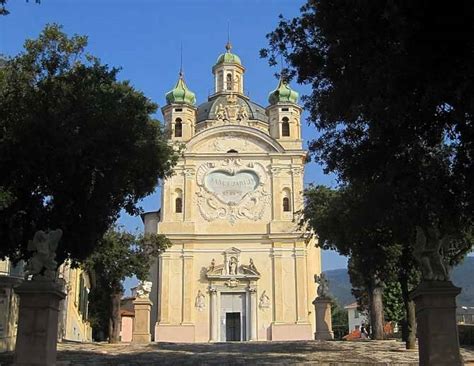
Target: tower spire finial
[(181, 62), (228, 46)]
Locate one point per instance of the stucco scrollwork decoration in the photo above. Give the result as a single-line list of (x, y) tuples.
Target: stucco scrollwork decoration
[(232, 190)]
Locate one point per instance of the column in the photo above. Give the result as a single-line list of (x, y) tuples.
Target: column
[(38, 322), (187, 305), (214, 314), (276, 193), (164, 293), (253, 313), (438, 342), (301, 296), (322, 306), (188, 193), (141, 323), (277, 288)]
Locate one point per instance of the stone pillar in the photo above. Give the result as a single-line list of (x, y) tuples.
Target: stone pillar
[(214, 314), (253, 313), (438, 340), (301, 286), (141, 323), (188, 289), (38, 322), (322, 307)]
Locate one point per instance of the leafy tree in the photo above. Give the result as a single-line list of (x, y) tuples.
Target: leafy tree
[(76, 146), (347, 220), (392, 85), (392, 88), (4, 10), (393, 302), (340, 320), (118, 255)]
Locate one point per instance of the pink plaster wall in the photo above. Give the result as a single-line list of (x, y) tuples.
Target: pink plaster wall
[(127, 329)]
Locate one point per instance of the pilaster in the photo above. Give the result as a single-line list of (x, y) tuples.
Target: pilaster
[(214, 314), (188, 289)]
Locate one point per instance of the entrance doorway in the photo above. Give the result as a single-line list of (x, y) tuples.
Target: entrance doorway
[(232, 327), (233, 317)]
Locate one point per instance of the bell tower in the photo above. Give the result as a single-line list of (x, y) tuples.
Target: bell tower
[(180, 112), (228, 73), (284, 115)]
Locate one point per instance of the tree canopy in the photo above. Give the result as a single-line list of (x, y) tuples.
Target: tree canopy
[(76, 146), (392, 94), (119, 254)]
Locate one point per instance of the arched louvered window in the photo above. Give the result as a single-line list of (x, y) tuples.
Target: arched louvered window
[(285, 127), (229, 81), (286, 204), (178, 203), (178, 128)]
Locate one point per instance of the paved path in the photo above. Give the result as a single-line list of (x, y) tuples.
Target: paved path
[(364, 353)]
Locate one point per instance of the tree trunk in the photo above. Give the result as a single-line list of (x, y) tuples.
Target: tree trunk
[(409, 323), (376, 311), (114, 322)]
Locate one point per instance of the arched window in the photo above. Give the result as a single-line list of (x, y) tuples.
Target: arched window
[(285, 127), (232, 151), (178, 128), (286, 204), (286, 200), (178, 205), (229, 81)]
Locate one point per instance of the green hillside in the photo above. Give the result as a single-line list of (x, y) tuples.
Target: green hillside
[(462, 276)]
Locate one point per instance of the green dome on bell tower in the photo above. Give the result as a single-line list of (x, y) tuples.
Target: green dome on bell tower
[(180, 94), (283, 93), (228, 57)]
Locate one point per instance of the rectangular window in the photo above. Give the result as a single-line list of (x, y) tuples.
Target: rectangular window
[(178, 109), (285, 109)]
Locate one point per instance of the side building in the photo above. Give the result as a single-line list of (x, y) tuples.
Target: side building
[(73, 322), (240, 268)]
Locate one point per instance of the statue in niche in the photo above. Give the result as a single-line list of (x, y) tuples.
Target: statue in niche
[(428, 252), (144, 289), (200, 302), (264, 302), (42, 266), (323, 285), (233, 266)]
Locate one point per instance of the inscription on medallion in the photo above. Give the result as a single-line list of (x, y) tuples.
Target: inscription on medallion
[(231, 188)]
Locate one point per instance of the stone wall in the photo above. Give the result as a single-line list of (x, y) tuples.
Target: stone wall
[(466, 334)]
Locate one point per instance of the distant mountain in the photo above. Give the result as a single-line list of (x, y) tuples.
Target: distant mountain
[(340, 286), (462, 276)]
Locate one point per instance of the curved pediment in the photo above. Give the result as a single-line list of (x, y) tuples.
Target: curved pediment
[(227, 138)]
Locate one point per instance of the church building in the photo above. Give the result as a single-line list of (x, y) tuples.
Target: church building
[(240, 269)]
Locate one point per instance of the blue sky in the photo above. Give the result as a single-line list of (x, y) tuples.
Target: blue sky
[(144, 38)]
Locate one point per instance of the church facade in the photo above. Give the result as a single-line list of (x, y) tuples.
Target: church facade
[(239, 268)]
